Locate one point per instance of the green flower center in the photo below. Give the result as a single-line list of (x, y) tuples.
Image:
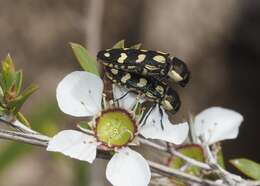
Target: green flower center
[(115, 128)]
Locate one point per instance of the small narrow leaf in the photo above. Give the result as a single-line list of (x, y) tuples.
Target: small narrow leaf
[(84, 58), (22, 119), (19, 81), (84, 126), (220, 157), (1, 94), (8, 73), (119, 44), (247, 167), (19, 101), (136, 46), (138, 109)]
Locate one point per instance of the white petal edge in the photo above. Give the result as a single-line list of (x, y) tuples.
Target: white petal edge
[(173, 133), (128, 168), (129, 101), (217, 123), (80, 93), (74, 144)]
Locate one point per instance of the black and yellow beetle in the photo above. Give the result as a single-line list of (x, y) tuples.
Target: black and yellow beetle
[(146, 62), (153, 89)]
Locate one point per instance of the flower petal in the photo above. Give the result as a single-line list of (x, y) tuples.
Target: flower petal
[(129, 101), (128, 168), (172, 133), (74, 144), (215, 124), (80, 94)]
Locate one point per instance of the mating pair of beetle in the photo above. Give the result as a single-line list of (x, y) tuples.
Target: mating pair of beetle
[(146, 72)]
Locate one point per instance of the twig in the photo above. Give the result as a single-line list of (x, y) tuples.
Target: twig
[(169, 172), (176, 153), (213, 166)]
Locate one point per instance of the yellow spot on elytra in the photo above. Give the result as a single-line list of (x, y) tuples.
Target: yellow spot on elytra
[(114, 71), (142, 82), (167, 105), (161, 52), (159, 59), (160, 89), (151, 67), (106, 54), (144, 50), (141, 58), (131, 67), (149, 95), (122, 58), (175, 76), (125, 78)]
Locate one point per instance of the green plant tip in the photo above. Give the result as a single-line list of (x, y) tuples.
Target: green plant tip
[(115, 128)]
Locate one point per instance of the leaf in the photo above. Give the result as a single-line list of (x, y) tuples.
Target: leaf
[(192, 151), (84, 58), (220, 157), (138, 109), (19, 101), (1, 94), (248, 167), (19, 81), (136, 46), (119, 44), (22, 119), (83, 125), (8, 73)]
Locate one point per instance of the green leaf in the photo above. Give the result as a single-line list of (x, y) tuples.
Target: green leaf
[(138, 109), (83, 125), (136, 46), (248, 167), (192, 151), (119, 44), (22, 119), (2, 111), (19, 101), (84, 58), (19, 81), (1, 94), (8, 73), (220, 157)]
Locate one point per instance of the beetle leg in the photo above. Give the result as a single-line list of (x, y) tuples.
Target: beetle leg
[(143, 121), (122, 97), (161, 113)]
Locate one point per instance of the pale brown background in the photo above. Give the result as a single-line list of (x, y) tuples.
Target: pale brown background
[(219, 40)]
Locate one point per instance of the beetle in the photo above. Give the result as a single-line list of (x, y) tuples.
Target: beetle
[(146, 62), (154, 90)]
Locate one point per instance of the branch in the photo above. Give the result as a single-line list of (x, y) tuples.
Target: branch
[(34, 138), (42, 141)]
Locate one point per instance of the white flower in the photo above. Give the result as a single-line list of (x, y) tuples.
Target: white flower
[(173, 133), (80, 94), (216, 124)]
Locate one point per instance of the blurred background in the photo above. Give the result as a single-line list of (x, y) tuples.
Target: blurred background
[(219, 40)]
